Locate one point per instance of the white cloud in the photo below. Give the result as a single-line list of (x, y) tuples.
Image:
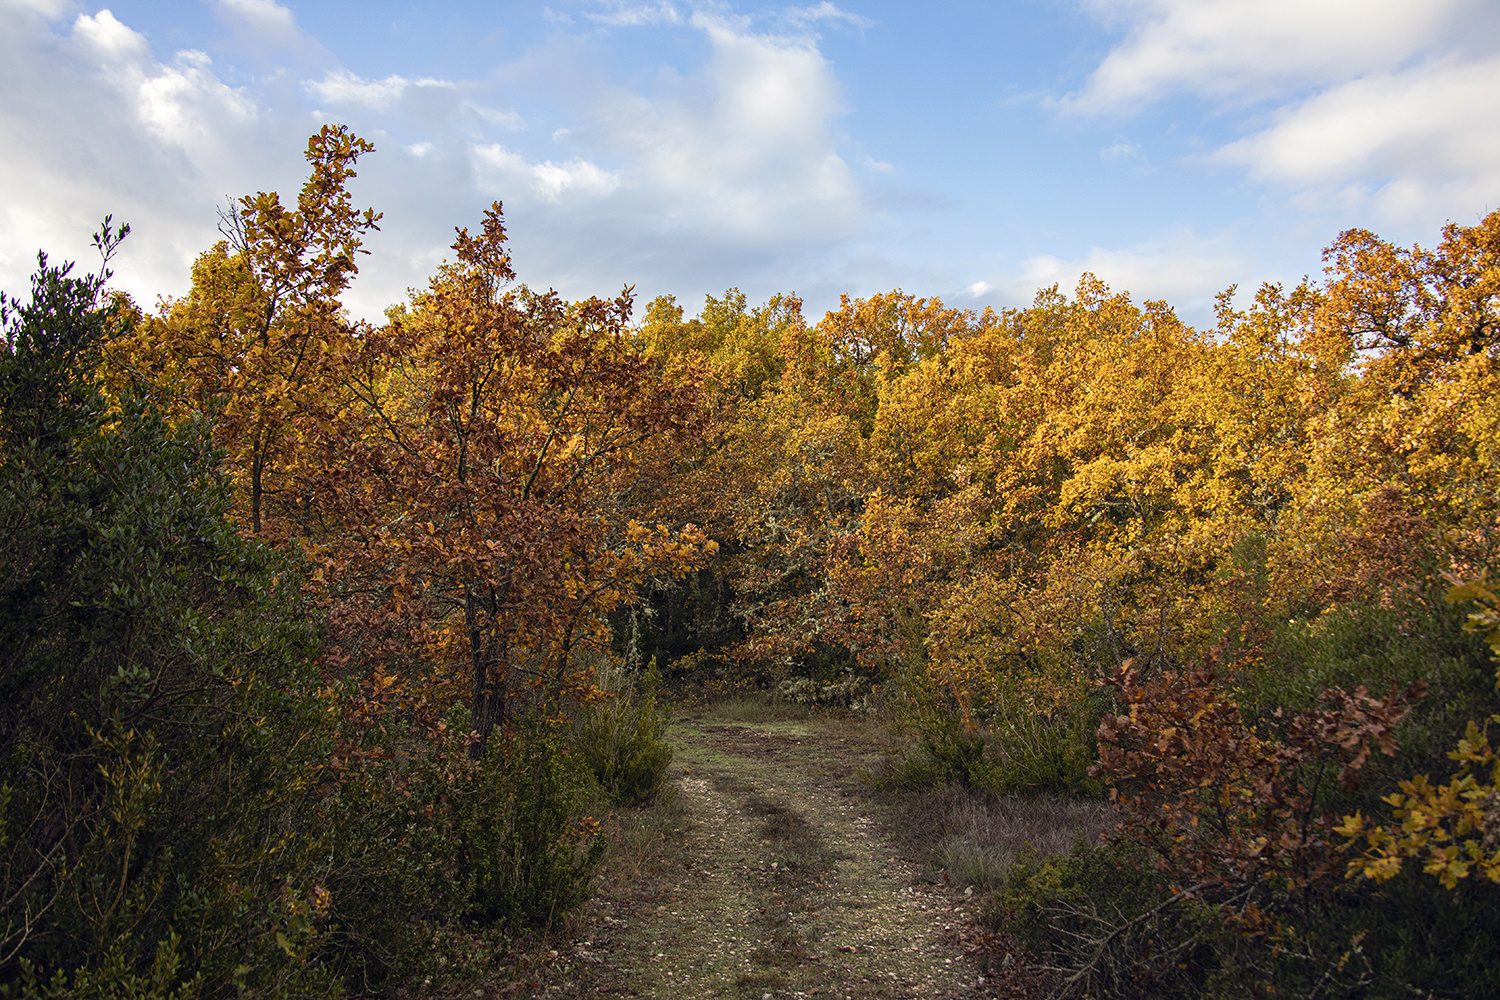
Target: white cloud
[(501, 117), (631, 15), (269, 20), (46, 8), (1359, 107), (979, 289), (1426, 138), (1237, 50), (185, 104), (825, 11), (181, 104), (1122, 152), (419, 149), (108, 37), (344, 88), (745, 147), (96, 124), (499, 170), (1183, 269)]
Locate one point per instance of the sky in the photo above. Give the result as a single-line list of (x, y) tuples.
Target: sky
[(972, 151)]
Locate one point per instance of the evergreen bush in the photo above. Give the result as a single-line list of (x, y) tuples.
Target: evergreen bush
[(623, 738)]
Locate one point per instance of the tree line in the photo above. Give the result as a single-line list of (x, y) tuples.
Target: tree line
[(311, 625)]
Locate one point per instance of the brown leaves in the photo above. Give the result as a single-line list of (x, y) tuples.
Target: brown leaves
[(1239, 806), (473, 480)]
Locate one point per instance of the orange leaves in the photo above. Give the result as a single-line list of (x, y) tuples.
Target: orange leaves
[(1219, 801), (259, 337), (662, 549), (476, 473), (1413, 313)]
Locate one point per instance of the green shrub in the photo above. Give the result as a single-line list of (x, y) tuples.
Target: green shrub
[(161, 726), (853, 690), (436, 857), (623, 738), (393, 825), (1111, 927), (113, 977), (1420, 639), (1108, 926), (1006, 748), (530, 852)]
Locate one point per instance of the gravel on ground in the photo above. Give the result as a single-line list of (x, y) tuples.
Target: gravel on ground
[(777, 877)]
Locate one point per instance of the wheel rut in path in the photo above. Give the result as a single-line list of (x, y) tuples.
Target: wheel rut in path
[(776, 882)]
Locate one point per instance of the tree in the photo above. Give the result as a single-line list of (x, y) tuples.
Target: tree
[(740, 346), (260, 333), (159, 716), (476, 475)]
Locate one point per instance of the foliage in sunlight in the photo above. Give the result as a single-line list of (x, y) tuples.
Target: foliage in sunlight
[(319, 639)]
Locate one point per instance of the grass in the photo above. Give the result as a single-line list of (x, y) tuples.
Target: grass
[(973, 836), (802, 856), (635, 836), (752, 707)]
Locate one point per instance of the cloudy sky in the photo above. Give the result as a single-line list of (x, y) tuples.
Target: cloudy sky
[(975, 151)]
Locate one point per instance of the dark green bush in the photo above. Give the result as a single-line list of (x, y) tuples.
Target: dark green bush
[(1113, 925), (1421, 638), (1110, 926), (529, 850), (392, 823), (1107, 925), (1009, 747), (160, 720), (114, 977), (623, 738)]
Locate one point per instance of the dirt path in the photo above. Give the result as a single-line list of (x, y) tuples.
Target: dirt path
[(774, 881)]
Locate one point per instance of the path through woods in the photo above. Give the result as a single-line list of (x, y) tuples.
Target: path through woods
[(775, 878)]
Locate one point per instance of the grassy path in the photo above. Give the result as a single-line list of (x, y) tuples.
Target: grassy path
[(769, 877)]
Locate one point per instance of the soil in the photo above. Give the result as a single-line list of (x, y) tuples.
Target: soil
[(778, 876)]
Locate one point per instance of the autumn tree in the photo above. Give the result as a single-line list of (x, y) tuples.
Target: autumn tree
[(474, 478), (258, 335), (740, 345)]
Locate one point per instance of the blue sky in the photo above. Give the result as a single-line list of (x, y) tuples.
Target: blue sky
[(974, 151)]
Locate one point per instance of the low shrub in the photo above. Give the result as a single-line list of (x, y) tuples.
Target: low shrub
[(1005, 748), (529, 849), (1227, 879), (753, 707), (623, 738), (1106, 925)]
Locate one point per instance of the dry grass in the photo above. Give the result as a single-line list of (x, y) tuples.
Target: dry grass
[(752, 707), (636, 837), (974, 836)]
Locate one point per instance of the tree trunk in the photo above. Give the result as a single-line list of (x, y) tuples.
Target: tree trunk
[(489, 699), (257, 467)]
